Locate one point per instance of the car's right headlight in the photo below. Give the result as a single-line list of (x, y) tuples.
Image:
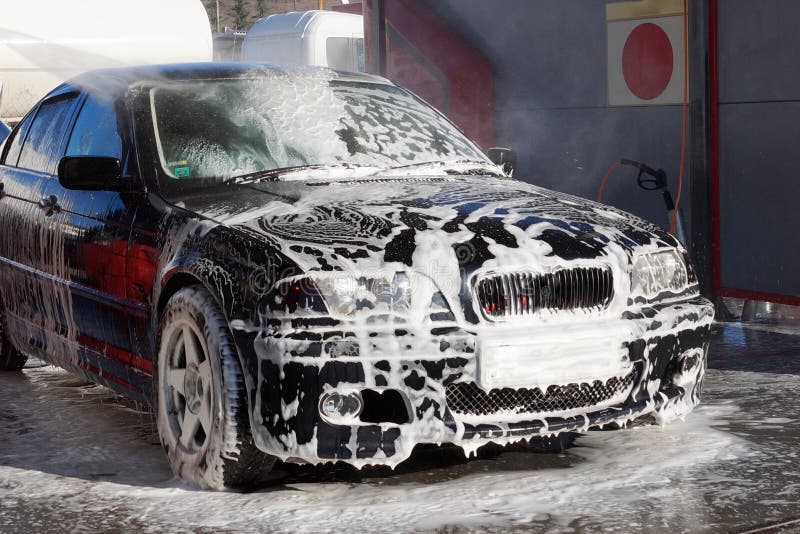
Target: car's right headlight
[(345, 295), (657, 272)]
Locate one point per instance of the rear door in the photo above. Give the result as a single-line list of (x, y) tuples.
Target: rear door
[(94, 229), (28, 294)]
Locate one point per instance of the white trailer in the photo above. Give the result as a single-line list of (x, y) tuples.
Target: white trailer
[(44, 42), (323, 38)]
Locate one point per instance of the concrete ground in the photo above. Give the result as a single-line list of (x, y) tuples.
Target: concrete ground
[(76, 457)]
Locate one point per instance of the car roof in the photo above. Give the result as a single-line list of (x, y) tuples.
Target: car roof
[(117, 80)]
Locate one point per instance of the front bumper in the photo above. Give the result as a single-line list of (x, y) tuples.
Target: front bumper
[(665, 344)]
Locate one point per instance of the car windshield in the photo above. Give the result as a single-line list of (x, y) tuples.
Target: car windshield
[(232, 130)]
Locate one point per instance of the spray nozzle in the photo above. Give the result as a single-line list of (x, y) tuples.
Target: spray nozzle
[(649, 178)]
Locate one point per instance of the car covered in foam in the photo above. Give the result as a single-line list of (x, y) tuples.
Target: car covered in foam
[(314, 266)]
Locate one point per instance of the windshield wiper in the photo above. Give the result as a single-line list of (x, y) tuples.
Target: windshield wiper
[(458, 166), (275, 174), (466, 166)]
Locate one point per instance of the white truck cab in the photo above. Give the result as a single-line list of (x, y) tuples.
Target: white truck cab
[(322, 38)]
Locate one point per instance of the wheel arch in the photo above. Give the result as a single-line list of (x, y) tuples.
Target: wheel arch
[(174, 283)]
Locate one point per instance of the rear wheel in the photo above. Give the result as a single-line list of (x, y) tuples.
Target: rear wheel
[(201, 400), (10, 358)]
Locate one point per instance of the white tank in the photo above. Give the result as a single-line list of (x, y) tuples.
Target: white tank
[(44, 42), (323, 38)]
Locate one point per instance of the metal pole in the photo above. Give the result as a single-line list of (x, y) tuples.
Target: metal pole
[(377, 26), (700, 161), (321, 5), (217, 16)]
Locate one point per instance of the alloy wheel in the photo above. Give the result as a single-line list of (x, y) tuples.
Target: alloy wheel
[(187, 388)]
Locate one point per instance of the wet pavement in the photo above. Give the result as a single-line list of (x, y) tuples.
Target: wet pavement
[(77, 457)]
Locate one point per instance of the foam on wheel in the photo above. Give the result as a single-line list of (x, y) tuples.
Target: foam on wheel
[(201, 402)]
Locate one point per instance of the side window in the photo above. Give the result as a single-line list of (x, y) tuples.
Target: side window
[(42, 146), (14, 142), (95, 132)]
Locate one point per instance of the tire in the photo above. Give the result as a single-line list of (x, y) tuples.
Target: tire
[(200, 397), (10, 358)]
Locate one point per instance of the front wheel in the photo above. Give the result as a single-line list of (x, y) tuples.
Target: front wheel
[(201, 400)]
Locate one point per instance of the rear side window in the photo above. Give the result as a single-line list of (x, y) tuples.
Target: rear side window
[(14, 143), (42, 146), (96, 132)]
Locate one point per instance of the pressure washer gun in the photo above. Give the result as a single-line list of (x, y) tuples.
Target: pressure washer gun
[(650, 179)]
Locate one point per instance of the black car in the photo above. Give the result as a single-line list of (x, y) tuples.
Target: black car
[(317, 266)]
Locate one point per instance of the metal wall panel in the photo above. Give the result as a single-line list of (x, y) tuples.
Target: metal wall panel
[(758, 49), (759, 192), (759, 125)]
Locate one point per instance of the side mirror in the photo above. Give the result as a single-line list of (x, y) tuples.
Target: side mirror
[(505, 157), (91, 173)]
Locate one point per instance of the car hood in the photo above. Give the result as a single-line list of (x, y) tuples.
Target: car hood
[(482, 220)]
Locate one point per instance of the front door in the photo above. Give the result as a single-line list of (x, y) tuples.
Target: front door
[(95, 227)]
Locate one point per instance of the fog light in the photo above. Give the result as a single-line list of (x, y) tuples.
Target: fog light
[(338, 407)]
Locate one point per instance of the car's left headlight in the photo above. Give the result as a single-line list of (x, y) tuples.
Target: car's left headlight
[(656, 272)]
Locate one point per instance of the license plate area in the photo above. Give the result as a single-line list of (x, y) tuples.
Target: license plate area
[(505, 362)]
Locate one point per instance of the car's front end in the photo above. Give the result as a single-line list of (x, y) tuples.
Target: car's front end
[(495, 320)]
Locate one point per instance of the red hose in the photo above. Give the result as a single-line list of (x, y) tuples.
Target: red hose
[(611, 169)]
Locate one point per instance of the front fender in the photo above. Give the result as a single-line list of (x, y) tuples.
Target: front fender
[(237, 268)]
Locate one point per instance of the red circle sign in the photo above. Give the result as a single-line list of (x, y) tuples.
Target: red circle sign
[(647, 61)]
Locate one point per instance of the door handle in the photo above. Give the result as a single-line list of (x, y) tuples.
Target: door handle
[(49, 205)]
